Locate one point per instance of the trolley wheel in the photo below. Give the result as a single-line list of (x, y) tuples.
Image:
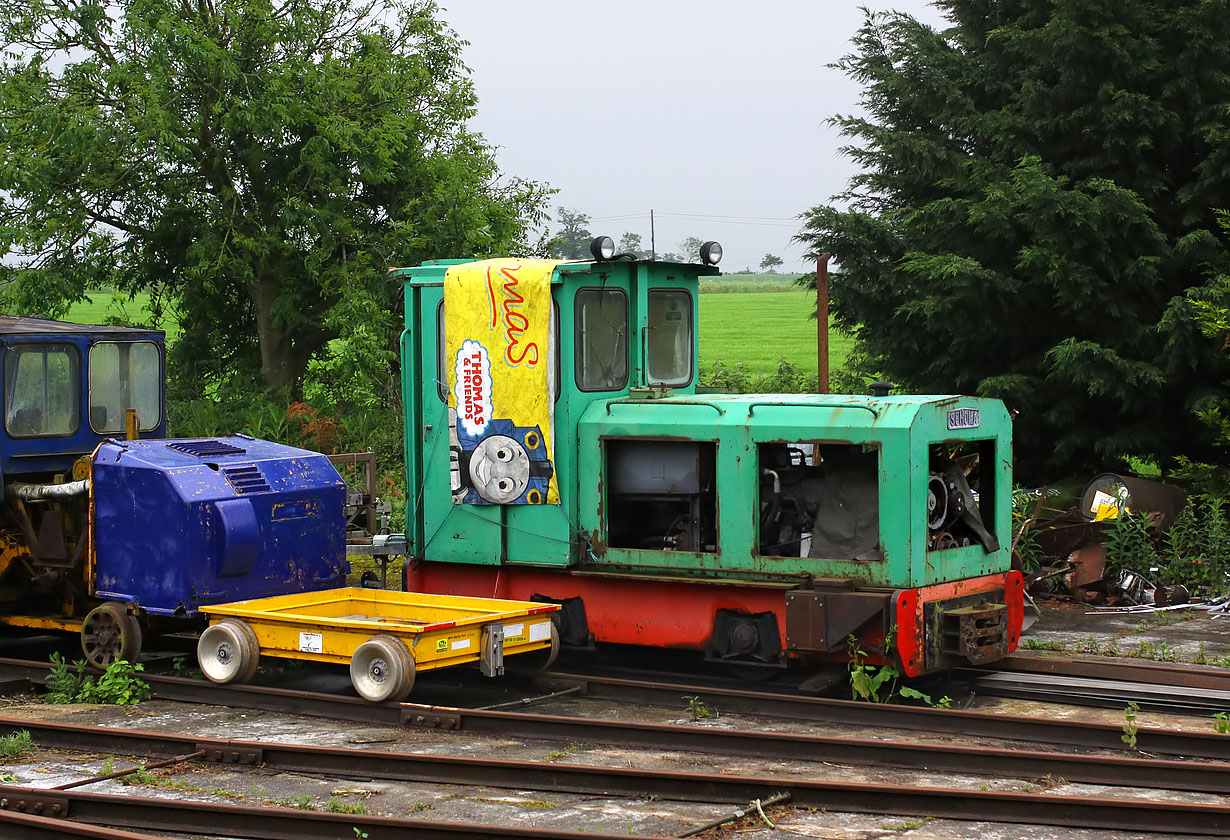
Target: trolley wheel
[(228, 651), (382, 669), (528, 665), (109, 634)]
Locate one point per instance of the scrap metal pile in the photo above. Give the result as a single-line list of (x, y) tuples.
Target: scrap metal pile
[(1078, 550)]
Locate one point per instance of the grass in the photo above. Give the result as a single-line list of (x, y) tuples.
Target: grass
[(101, 305), (760, 328), (738, 283), (16, 745)]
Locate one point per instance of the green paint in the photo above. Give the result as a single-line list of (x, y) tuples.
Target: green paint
[(902, 431)]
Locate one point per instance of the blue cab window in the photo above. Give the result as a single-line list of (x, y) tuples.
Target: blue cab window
[(42, 390)]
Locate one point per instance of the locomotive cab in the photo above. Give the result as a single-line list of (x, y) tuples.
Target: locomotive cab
[(761, 530), (66, 389)]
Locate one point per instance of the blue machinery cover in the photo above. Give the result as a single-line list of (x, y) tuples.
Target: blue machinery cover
[(183, 523)]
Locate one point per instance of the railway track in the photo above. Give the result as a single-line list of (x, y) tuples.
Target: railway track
[(1015, 762), (950, 723), (701, 785)]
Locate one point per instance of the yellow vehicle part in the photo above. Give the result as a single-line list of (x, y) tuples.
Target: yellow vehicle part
[(38, 622), (439, 630)]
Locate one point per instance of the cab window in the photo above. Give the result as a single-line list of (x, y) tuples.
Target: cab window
[(42, 390), (124, 375), (669, 344), (601, 339)]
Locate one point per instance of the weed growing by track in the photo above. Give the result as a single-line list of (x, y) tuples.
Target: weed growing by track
[(337, 806), (1130, 728), (698, 709), (119, 685), (16, 745)]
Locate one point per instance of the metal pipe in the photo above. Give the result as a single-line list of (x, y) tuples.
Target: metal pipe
[(755, 805), (41, 492), (179, 759)]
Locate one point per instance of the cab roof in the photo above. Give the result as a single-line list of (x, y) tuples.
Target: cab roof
[(12, 325)]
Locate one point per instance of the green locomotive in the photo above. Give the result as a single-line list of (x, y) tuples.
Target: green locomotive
[(557, 450)]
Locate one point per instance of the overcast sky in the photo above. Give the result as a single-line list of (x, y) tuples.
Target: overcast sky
[(710, 113)]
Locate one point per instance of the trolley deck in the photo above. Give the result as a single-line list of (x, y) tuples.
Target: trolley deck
[(385, 636)]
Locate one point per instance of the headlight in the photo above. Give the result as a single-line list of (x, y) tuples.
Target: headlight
[(711, 253), (602, 247)]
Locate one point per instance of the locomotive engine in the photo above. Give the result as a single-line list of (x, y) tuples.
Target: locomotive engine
[(111, 536), (763, 531)]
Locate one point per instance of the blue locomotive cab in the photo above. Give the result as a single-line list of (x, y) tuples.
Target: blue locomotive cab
[(69, 387)]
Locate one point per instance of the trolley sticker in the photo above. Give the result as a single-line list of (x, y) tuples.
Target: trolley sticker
[(540, 632), (499, 340), (445, 645), (311, 642), (513, 632)]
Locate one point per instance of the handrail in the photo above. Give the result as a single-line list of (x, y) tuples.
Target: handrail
[(751, 408), (721, 411)]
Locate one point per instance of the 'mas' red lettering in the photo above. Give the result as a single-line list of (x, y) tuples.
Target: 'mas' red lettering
[(515, 323)]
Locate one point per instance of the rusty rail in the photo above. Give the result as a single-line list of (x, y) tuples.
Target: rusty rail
[(260, 822), (948, 722), (953, 722), (15, 825), (1153, 673), (704, 785)]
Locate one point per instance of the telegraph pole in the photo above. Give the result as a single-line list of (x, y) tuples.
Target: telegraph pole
[(653, 247), (822, 322)]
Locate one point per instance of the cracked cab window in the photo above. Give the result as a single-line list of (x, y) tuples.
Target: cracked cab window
[(602, 339)]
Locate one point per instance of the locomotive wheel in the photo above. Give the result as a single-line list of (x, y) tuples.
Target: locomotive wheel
[(228, 652), (528, 665), (382, 669), (109, 634)]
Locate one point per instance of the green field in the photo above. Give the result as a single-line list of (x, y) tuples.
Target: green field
[(757, 328), (102, 305), (760, 328)]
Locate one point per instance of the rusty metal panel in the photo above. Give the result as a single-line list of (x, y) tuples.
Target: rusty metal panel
[(821, 621), (806, 618)]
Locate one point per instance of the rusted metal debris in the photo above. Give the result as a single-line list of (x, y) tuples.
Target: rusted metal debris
[(1072, 542)]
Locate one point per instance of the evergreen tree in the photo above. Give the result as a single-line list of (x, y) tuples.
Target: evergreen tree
[(1035, 211)]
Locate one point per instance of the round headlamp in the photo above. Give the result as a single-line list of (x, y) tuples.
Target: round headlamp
[(602, 247), (711, 253)]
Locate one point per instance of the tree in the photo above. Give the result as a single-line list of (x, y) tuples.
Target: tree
[(1213, 314), (257, 164), (770, 263), (690, 248), (573, 240), (630, 243), (1034, 207)]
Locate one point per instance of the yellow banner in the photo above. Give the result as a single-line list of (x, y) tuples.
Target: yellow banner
[(498, 344)]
